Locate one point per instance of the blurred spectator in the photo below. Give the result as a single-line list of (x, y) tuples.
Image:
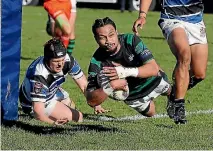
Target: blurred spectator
[(123, 5)]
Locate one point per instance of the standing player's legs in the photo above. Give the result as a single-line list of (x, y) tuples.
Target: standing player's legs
[(178, 42), (179, 45), (177, 37), (199, 52), (196, 37)]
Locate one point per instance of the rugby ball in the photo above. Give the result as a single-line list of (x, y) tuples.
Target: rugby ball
[(119, 95)]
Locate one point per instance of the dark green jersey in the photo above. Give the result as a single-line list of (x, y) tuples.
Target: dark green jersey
[(133, 53)]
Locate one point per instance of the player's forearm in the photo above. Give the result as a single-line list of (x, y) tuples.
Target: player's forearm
[(95, 97), (148, 70), (144, 7), (82, 83)]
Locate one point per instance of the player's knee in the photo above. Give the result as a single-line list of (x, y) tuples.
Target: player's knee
[(80, 117), (184, 59), (200, 75), (149, 111), (67, 31)]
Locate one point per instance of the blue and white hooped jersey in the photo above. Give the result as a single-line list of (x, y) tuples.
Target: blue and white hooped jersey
[(185, 10), (41, 85)]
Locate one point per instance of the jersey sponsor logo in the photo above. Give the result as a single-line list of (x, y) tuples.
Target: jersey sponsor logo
[(131, 57), (146, 52), (37, 87)]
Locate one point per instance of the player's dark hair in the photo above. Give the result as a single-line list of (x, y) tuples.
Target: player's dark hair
[(54, 48), (102, 22)]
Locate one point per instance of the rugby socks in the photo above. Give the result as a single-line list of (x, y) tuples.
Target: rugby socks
[(179, 100), (71, 46), (193, 81)]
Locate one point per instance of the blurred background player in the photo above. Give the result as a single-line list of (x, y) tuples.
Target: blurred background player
[(41, 91), (61, 21), (182, 25), (124, 60)]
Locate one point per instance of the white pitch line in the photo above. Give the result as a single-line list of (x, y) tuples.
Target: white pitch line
[(139, 117)]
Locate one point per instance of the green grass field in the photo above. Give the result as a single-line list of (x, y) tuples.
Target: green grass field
[(97, 134)]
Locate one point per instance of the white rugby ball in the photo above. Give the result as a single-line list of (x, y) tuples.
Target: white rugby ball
[(120, 95)]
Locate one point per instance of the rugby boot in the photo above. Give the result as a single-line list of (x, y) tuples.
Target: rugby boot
[(170, 105), (179, 109)]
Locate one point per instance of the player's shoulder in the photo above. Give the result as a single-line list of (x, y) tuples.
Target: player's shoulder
[(99, 55), (129, 38), (37, 67)]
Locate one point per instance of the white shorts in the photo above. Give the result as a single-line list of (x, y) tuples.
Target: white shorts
[(196, 33), (59, 96), (141, 104)]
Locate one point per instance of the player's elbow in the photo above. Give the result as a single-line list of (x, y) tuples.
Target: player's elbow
[(39, 117)]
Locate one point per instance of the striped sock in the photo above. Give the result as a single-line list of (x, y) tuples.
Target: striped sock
[(71, 46)]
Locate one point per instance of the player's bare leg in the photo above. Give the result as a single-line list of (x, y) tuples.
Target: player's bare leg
[(178, 43), (151, 111), (71, 44), (198, 63), (61, 111), (69, 103), (62, 22)]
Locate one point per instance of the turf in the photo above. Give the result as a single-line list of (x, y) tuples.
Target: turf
[(93, 134)]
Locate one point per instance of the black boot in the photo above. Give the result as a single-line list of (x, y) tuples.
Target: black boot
[(170, 103), (179, 108)]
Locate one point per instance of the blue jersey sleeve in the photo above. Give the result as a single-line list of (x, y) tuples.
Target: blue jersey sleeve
[(75, 70)]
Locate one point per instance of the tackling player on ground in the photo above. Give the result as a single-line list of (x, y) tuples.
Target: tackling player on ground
[(124, 60), (41, 92), (182, 25)]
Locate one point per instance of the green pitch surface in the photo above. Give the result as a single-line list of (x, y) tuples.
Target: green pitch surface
[(113, 131)]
